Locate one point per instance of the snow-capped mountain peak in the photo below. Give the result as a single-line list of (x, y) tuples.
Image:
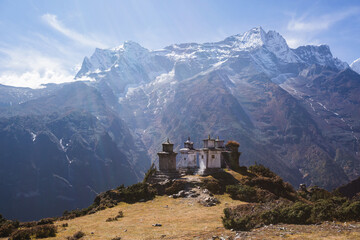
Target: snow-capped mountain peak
[(268, 50), (275, 43), (129, 46), (104, 59), (251, 39), (355, 65), (257, 38)]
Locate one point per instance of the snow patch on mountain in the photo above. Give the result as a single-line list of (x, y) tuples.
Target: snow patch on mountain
[(33, 136), (64, 180), (165, 77), (320, 55)]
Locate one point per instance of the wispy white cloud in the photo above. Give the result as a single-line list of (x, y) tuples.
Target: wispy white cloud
[(29, 68), (295, 41), (318, 23), (307, 29), (45, 59), (53, 22)]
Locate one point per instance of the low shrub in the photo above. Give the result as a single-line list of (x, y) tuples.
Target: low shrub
[(274, 185), (21, 234), (298, 213), (44, 231), (120, 215), (175, 187), (39, 231), (315, 193), (137, 192), (324, 210), (242, 193), (109, 199), (77, 235), (45, 221), (111, 219), (244, 223), (261, 170), (213, 186), (7, 227), (149, 173), (232, 145), (271, 217), (218, 182), (334, 209), (242, 170), (350, 211)]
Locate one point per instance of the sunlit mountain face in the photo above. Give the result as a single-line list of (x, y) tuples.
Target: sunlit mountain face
[(294, 110)]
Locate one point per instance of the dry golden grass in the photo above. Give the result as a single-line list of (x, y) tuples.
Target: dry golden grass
[(180, 219)]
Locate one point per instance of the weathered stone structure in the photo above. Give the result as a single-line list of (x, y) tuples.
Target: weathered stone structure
[(167, 158)]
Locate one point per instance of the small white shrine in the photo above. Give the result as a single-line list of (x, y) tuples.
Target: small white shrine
[(210, 156)]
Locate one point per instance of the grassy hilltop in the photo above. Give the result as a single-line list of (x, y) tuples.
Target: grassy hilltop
[(239, 204)]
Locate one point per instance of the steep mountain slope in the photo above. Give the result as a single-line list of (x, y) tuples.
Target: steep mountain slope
[(61, 150), (332, 98), (12, 96), (233, 88)]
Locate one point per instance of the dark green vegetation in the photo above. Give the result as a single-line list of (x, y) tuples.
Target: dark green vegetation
[(7, 226), (40, 231), (242, 193), (261, 185), (258, 184), (22, 231), (76, 235), (333, 209), (120, 215), (175, 187), (132, 194), (149, 173), (307, 206)]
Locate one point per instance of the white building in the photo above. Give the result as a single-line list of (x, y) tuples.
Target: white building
[(188, 158), (210, 155)]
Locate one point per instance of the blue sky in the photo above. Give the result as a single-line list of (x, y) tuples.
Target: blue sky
[(46, 41)]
